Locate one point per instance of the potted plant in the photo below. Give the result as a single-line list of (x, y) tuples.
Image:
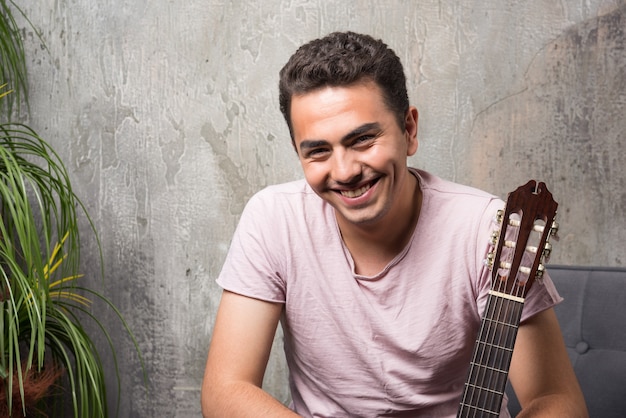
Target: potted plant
[(42, 339)]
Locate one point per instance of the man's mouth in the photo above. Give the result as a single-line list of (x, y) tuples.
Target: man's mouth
[(356, 192)]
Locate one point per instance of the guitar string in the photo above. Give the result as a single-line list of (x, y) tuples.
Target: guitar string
[(479, 371), (508, 336), (492, 396), (507, 312), (496, 350), (470, 401), (492, 350), (470, 389), (479, 358), (476, 374), (472, 393)]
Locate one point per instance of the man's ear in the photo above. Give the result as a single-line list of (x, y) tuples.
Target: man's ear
[(410, 122)]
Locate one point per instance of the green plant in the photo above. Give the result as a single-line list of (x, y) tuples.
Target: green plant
[(12, 59), (41, 302)]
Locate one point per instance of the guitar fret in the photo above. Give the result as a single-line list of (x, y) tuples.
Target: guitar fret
[(489, 368), (496, 346), (483, 410), (498, 322), (506, 296), (489, 378), (484, 389)]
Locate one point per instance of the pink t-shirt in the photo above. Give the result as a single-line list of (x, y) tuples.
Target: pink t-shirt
[(395, 344)]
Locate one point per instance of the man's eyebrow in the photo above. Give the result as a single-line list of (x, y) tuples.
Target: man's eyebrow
[(312, 143), (366, 127)]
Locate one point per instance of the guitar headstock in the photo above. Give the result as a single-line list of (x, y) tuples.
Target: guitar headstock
[(522, 244)]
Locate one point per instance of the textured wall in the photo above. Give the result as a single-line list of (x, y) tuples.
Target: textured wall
[(166, 114)]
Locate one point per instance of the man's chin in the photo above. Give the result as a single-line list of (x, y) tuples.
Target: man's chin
[(358, 218)]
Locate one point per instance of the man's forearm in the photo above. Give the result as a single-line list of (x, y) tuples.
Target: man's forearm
[(554, 406), (241, 400)]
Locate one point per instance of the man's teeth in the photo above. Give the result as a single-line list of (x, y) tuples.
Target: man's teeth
[(355, 193)]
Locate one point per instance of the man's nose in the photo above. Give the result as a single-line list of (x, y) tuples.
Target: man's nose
[(346, 168)]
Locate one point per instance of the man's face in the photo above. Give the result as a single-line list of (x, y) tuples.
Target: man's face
[(352, 151)]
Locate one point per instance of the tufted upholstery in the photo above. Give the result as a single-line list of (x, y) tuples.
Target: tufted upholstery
[(593, 322)]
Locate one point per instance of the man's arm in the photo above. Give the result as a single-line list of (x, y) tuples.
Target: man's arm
[(240, 348), (541, 372)]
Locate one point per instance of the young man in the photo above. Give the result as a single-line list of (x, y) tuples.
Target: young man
[(374, 269)]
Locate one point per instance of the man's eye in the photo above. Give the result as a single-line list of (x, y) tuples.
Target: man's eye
[(317, 152), (363, 139)]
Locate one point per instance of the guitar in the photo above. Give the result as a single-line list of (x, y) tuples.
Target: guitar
[(520, 248)]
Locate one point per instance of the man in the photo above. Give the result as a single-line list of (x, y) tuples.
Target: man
[(374, 269)]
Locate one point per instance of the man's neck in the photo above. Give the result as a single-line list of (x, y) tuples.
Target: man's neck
[(373, 246)]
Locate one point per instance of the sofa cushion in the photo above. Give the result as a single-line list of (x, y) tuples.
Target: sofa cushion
[(592, 319)]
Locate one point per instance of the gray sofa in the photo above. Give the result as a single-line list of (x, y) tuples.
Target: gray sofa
[(593, 322)]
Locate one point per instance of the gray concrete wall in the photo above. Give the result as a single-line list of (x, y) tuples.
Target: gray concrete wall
[(166, 114)]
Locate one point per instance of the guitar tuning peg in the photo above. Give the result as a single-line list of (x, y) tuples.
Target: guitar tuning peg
[(540, 270), (489, 260), (499, 216), (554, 229), (547, 250), (494, 237)]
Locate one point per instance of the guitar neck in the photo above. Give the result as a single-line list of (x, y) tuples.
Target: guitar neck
[(519, 249), (488, 371)]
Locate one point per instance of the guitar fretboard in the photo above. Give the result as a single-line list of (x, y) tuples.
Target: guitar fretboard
[(488, 371)]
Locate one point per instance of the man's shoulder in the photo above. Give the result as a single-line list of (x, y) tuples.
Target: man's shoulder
[(432, 183), (290, 187), (447, 199), (288, 191), (293, 196), (286, 208)]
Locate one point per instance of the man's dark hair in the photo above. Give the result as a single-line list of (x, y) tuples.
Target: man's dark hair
[(344, 59)]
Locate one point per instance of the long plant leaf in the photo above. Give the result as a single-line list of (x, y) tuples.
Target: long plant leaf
[(12, 59)]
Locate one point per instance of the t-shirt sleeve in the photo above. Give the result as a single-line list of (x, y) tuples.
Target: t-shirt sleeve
[(253, 264)]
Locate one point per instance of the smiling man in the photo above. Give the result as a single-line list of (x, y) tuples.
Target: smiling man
[(373, 268), (354, 155)]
